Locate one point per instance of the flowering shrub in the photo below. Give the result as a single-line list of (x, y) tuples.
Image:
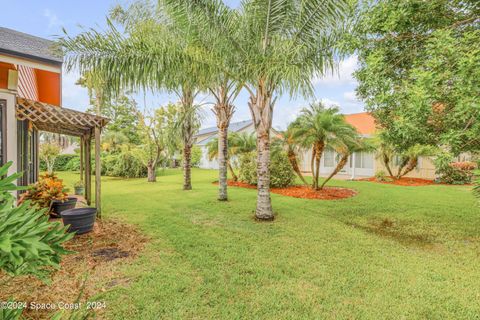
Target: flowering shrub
[(464, 165), (453, 172), (46, 189)]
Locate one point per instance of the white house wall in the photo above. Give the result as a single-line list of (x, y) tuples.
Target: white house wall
[(11, 130)]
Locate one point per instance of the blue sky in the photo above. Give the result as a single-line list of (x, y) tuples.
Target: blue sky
[(47, 17)]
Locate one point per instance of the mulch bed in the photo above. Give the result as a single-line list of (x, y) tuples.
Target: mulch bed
[(328, 193), (94, 266), (413, 182)]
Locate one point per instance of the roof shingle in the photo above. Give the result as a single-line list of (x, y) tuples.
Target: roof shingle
[(25, 45)]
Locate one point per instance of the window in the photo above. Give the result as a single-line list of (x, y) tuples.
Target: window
[(329, 158), (364, 160)]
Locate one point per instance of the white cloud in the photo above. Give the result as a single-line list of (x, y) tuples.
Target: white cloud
[(53, 20), (73, 96), (343, 76), (350, 97)]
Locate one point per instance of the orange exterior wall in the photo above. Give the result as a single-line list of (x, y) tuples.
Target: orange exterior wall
[(49, 87), (4, 67)]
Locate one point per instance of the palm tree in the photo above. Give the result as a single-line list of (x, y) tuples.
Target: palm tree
[(239, 143), (288, 143), (345, 147), (317, 127), (150, 54), (409, 159), (212, 147), (281, 45)]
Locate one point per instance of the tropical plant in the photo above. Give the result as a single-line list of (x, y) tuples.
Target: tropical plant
[(151, 54), (280, 47), (451, 172), (44, 191), (345, 146), (286, 141), (29, 243), (282, 174), (317, 127), (212, 149), (381, 176), (49, 153), (409, 158)]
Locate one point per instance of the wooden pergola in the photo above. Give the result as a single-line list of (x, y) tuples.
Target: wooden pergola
[(47, 117)]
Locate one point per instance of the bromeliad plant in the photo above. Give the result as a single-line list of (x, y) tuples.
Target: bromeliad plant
[(44, 191)]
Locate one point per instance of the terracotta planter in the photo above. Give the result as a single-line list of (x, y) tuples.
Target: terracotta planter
[(81, 220)]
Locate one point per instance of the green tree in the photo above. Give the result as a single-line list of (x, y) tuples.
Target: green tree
[(316, 128), (281, 45), (419, 71), (124, 117), (49, 153), (150, 53)]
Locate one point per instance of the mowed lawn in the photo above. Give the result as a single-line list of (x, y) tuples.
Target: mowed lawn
[(391, 252)]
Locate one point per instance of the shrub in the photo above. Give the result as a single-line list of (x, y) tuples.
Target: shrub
[(281, 172), (381, 176), (125, 165), (49, 153), (62, 162), (453, 172), (46, 189), (476, 188), (73, 164)]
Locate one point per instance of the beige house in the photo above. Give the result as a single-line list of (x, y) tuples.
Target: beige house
[(363, 164)]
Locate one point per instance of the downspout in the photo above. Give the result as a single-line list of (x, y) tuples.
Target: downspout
[(353, 166)]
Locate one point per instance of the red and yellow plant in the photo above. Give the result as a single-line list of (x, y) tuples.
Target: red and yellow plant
[(47, 188)]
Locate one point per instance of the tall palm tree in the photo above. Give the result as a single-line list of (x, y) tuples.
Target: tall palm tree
[(149, 54), (317, 127), (281, 45), (239, 143), (205, 45)]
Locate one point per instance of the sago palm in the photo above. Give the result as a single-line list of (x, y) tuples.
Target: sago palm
[(287, 142)]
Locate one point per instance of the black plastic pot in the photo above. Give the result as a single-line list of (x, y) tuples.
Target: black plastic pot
[(81, 220), (59, 206)]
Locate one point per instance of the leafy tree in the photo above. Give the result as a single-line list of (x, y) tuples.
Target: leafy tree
[(154, 133), (419, 71), (317, 127), (49, 153), (124, 118)]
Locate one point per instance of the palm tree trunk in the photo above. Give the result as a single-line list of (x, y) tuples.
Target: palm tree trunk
[(232, 172), (340, 165), (187, 177), (292, 157), (412, 164), (312, 167), (261, 107), (386, 163), (319, 146), (222, 161), (400, 168)]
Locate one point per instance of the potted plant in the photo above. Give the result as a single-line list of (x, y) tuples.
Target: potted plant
[(79, 220), (79, 187), (49, 192)]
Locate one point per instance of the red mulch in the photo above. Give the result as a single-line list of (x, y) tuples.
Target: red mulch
[(414, 182), (328, 193)]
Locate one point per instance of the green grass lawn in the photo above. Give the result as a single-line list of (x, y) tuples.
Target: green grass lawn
[(391, 252)]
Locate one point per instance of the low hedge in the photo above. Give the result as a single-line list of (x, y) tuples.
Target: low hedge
[(281, 172)]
